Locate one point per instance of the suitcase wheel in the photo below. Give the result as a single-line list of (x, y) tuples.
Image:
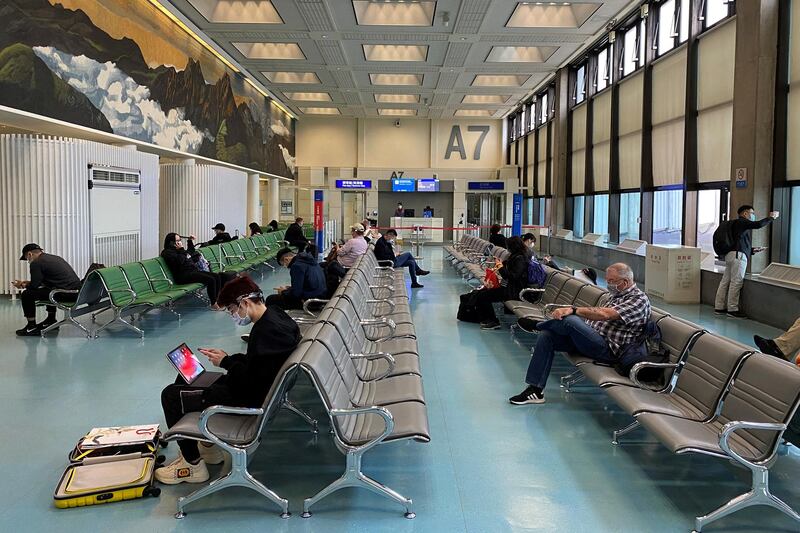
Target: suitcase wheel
[(160, 460), (155, 492)]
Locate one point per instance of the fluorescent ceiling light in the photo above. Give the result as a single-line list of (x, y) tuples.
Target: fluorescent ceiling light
[(520, 54), (270, 50), (395, 52), (485, 98), (397, 112), (397, 98), (241, 11), (499, 80), (309, 97), (473, 113), (320, 111), (292, 77), (369, 13), (395, 79), (551, 15)]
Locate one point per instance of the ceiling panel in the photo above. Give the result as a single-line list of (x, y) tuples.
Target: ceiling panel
[(439, 58)]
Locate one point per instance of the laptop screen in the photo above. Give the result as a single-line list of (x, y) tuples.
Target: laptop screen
[(186, 363)]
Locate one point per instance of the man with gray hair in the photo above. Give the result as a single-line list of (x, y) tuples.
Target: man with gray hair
[(600, 333)]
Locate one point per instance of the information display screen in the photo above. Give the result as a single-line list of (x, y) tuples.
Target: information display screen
[(428, 185), (403, 185)]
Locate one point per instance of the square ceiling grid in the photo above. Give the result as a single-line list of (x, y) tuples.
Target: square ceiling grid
[(371, 58)]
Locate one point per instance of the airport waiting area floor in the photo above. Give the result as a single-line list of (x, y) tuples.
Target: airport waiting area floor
[(490, 467)]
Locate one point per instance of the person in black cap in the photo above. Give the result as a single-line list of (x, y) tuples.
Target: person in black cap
[(48, 272), (220, 235)]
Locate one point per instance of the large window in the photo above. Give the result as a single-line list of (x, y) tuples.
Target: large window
[(629, 209), (708, 218), (633, 48), (667, 216), (544, 110), (542, 210), (673, 24), (716, 10), (577, 217), (579, 93), (794, 227), (603, 79), (600, 222)]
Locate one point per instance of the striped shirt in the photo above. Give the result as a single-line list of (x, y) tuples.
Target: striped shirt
[(633, 307)]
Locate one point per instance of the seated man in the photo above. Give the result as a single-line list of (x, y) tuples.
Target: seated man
[(246, 383), (48, 272), (601, 333), (220, 235), (352, 249), (384, 251), (294, 235), (787, 346), (308, 280)]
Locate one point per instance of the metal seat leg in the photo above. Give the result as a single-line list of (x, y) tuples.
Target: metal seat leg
[(624, 431), (292, 407), (353, 477), (118, 318)]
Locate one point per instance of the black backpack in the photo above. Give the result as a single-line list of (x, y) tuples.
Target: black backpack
[(724, 239), (646, 348)]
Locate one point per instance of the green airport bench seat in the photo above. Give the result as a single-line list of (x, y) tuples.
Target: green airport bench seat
[(211, 254), (234, 259), (138, 281), (162, 282)]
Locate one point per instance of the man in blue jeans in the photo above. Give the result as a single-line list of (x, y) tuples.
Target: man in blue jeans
[(600, 333), (384, 251)]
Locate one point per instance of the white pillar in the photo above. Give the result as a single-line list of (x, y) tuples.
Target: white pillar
[(253, 201), (274, 199)]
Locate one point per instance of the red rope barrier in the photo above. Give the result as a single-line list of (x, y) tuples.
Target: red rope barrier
[(459, 228)]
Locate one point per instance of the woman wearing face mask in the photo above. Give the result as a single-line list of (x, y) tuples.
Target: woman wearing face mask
[(249, 376), (183, 265)]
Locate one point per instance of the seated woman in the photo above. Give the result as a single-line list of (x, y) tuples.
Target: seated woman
[(249, 376), (495, 237), (515, 274), (272, 226), (255, 229), (182, 262)]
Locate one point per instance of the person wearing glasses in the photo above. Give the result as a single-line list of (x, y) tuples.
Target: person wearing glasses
[(183, 263), (247, 380)]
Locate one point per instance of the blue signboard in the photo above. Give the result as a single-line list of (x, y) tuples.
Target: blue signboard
[(428, 185), (516, 222), (486, 185), (403, 185), (353, 184)]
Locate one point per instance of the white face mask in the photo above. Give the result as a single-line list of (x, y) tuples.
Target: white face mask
[(615, 289), (752, 216), (240, 320)]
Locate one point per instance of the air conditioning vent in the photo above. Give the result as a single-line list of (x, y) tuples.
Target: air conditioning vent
[(108, 175), (782, 274)]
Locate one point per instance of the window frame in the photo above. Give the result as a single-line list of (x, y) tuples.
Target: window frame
[(703, 14), (609, 80), (637, 24), (580, 70)]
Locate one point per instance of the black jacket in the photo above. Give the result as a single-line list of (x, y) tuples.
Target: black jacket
[(52, 272), (294, 233), (384, 250), (515, 272), (250, 375), (498, 239), (219, 239), (181, 262), (742, 235), (308, 278)]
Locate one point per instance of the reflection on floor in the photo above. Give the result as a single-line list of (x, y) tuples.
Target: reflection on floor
[(491, 467)]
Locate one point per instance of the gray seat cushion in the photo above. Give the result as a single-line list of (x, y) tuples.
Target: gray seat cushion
[(234, 429), (604, 375), (395, 346), (633, 400), (397, 389), (410, 421)]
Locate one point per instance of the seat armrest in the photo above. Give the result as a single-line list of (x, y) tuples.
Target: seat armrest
[(158, 280), (377, 355), (385, 263), (312, 301), (634, 372), (735, 425), (207, 413), (523, 292), (385, 322), (384, 413), (53, 293)]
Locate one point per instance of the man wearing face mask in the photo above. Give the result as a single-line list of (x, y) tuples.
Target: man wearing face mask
[(308, 280), (384, 251), (727, 300), (600, 333), (247, 380)]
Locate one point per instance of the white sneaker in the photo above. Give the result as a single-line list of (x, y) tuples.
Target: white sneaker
[(212, 455), (180, 470)]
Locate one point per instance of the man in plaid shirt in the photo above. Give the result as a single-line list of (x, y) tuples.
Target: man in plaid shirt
[(600, 333)]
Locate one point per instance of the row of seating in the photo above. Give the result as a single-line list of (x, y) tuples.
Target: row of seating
[(717, 397), (471, 256), (248, 253), (361, 355)]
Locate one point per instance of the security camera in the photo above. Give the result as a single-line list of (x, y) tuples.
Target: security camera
[(396, 123)]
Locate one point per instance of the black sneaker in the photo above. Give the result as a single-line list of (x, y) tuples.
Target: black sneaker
[(720, 311), (768, 346), (416, 286), (490, 324), (423, 272), (46, 323), (530, 395), (736, 314), (528, 324), (31, 330)]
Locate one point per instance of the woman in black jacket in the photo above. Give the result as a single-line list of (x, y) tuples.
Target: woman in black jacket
[(497, 238), (255, 229), (514, 273), (247, 381), (182, 262)]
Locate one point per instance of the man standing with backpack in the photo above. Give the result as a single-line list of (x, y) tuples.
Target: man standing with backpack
[(733, 243)]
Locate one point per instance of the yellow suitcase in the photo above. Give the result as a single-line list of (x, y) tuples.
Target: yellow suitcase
[(105, 480)]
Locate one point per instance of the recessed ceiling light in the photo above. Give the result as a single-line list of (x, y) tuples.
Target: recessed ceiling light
[(473, 113), (270, 50), (238, 11), (397, 98), (395, 79), (520, 54), (292, 77), (566, 15), (320, 110), (485, 99), (370, 13), (499, 80), (309, 97), (398, 112), (395, 52)]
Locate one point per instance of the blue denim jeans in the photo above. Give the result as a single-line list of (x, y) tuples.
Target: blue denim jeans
[(406, 259), (570, 334)]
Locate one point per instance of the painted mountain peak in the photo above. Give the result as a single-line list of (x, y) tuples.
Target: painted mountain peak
[(56, 62)]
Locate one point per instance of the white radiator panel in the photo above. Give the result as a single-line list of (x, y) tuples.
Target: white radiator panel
[(195, 197), (44, 198)]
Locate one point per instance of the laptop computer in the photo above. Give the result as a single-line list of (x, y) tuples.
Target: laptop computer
[(190, 368)]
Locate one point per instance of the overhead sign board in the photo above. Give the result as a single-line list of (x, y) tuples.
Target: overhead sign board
[(486, 185), (353, 184)]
